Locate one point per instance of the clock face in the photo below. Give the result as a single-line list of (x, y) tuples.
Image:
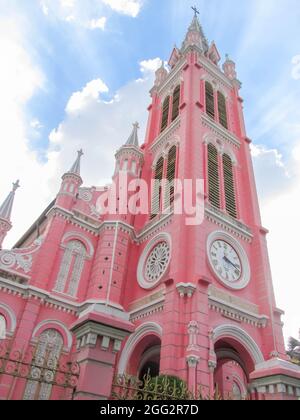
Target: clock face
[(225, 262)]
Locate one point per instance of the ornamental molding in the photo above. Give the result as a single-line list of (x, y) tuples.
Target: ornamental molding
[(237, 313), (130, 151), (144, 330), (19, 259), (175, 141), (148, 310), (153, 227), (186, 289), (220, 131), (172, 80), (166, 136), (73, 235), (85, 194), (214, 72), (193, 361), (237, 333), (230, 225), (77, 219), (47, 299)]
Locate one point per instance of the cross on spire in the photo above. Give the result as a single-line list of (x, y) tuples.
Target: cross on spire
[(196, 11)]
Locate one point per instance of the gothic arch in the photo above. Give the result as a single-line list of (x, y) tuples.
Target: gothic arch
[(163, 152), (149, 328), (57, 325), (69, 236), (239, 335), (10, 317)]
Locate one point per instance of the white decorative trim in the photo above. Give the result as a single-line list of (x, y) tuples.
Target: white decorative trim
[(232, 331), (143, 282), (227, 223), (175, 141), (142, 331), (165, 136), (82, 238), (12, 317), (246, 273), (57, 323), (220, 131), (186, 289)]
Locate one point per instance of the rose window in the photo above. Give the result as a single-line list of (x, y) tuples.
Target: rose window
[(157, 262)]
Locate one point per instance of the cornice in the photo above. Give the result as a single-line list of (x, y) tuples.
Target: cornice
[(236, 313), (166, 135), (153, 227), (218, 130), (227, 223), (172, 76)]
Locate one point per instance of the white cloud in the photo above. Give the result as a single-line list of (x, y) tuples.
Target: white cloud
[(280, 207), (20, 79), (88, 94), (86, 13), (150, 65), (127, 7), (97, 23), (296, 67), (100, 127)]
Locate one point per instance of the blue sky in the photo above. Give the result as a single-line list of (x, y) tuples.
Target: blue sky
[(76, 73)]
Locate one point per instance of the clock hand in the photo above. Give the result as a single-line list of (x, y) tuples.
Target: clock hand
[(230, 262)]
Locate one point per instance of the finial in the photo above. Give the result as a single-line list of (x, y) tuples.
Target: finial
[(196, 11), (133, 139), (16, 185), (76, 166)]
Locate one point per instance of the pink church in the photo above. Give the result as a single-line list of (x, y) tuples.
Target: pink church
[(85, 296)]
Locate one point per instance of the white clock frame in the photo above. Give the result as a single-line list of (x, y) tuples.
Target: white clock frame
[(244, 280)]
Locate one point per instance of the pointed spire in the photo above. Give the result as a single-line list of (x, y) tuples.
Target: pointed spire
[(6, 208), (195, 34), (133, 139), (76, 167)]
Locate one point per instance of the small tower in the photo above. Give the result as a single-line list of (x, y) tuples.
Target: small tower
[(129, 161), (229, 68), (71, 182), (160, 75), (5, 213)]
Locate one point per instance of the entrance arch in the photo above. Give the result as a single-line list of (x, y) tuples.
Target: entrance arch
[(237, 355), (142, 351)]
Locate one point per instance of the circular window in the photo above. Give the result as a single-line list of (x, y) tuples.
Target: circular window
[(154, 261)]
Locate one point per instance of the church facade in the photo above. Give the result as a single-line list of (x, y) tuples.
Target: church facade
[(122, 293)]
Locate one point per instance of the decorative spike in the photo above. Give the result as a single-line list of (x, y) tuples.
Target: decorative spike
[(6, 208), (76, 167), (195, 35), (133, 139)]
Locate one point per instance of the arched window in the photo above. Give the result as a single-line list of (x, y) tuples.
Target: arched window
[(133, 167), (176, 103), (165, 114), (171, 173), (222, 110), (2, 328), (157, 188), (47, 354), (71, 268), (229, 186), (213, 176), (125, 165), (210, 100)]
